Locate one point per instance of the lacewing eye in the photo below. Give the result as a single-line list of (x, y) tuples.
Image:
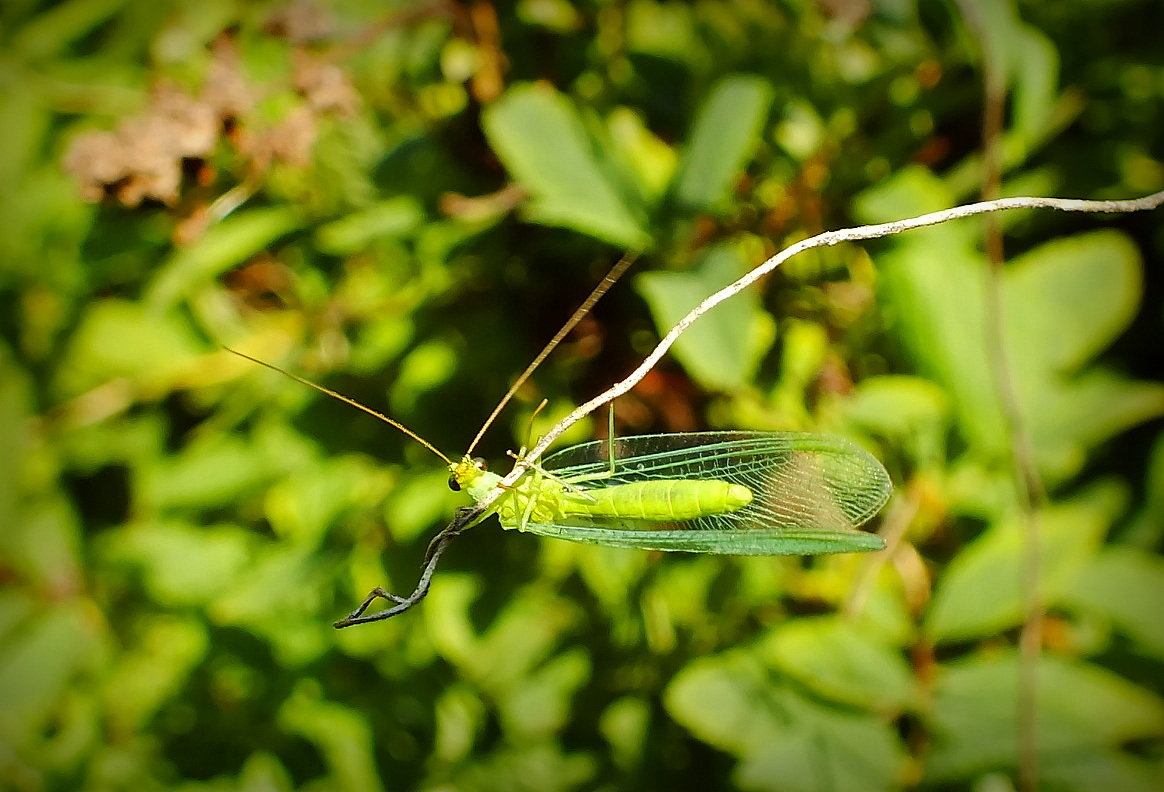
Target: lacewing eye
[(480, 464), (454, 485)]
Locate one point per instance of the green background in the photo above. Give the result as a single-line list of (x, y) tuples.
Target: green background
[(404, 201)]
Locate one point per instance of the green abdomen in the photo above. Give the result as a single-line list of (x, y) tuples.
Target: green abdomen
[(661, 500)]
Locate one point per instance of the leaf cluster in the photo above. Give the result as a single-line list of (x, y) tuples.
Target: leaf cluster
[(403, 201)]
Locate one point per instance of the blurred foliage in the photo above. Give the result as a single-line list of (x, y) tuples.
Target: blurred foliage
[(404, 201)]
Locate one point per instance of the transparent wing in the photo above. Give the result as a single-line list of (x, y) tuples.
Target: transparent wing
[(810, 492)]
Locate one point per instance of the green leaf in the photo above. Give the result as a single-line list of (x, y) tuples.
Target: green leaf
[(521, 637), (183, 565), (262, 772), (1069, 298), (676, 596), (120, 339), (624, 725), (610, 572), (1124, 584), (60, 24), (1073, 417), (724, 134), (1027, 61), (936, 303), (804, 350), (213, 471), (303, 506), (223, 246), (38, 661), (277, 599), (1147, 527), (422, 500), (460, 714), (396, 217), (154, 670), (800, 131), (15, 434), (1062, 303), (982, 590), (541, 705), (15, 606), (783, 740), (640, 152), (540, 136), (1087, 771), (721, 700), (912, 190), (841, 661), (898, 406), (819, 749), (43, 545), (425, 366), (1080, 708), (723, 349), (530, 767), (341, 734)]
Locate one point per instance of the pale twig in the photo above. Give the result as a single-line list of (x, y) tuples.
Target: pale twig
[(828, 238)]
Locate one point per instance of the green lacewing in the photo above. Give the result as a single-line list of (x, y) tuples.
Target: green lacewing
[(731, 493), (735, 493)]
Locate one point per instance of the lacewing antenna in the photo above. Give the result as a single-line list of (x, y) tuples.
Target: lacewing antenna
[(345, 400), (603, 286)]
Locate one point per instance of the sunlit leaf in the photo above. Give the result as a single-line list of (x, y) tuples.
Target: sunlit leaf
[(783, 740), (982, 592), (1080, 708), (397, 217), (183, 564), (721, 140), (898, 405), (342, 736), (225, 245), (624, 724), (122, 339), (837, 659), (1124, 584), (541, 138), (723, 349), (155, 670), (1062, 303), (1069, 299), (542, 704), (37, 663)]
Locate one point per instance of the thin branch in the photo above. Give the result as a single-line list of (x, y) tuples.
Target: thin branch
[(828, 238), (1028, 484)]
